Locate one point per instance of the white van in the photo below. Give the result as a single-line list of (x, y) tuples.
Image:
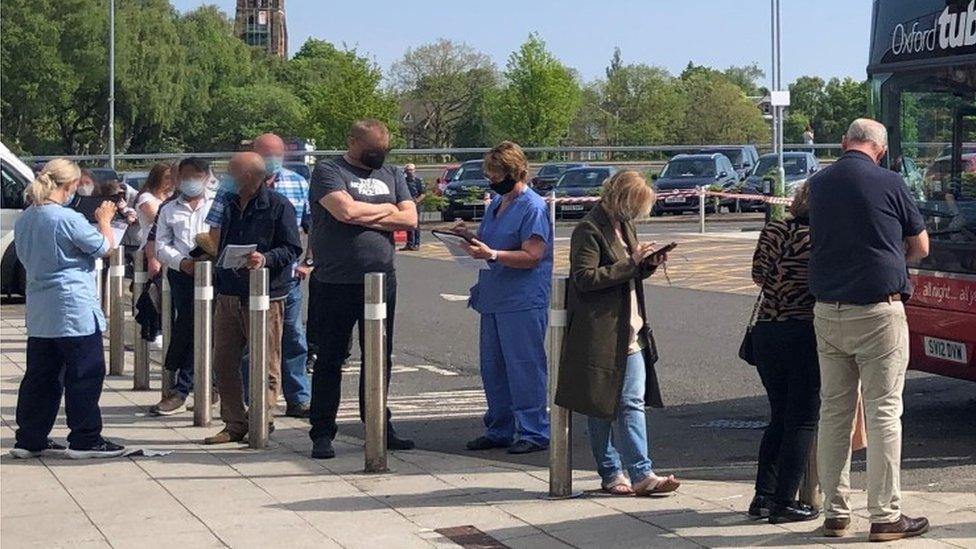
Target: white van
[(16, 176)]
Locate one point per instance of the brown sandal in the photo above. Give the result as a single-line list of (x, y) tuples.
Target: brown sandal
[(619, 486), (652, 486)]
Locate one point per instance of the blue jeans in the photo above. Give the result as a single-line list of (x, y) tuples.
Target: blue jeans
[(631, 429), (294, 352), (513, 371)]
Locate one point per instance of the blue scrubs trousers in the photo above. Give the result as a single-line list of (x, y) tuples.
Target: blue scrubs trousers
[(513, 370)]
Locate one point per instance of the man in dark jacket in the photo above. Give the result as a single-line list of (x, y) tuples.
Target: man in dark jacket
[(417, 191), (260, 217), (864, 225)]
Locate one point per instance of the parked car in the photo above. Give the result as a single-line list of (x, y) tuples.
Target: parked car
[(549, 174), (689, 171), (580, 182), (797, 166), (743, 158), (135, 180), (15, 176), (465, 192), (445, 178), (300, 168)]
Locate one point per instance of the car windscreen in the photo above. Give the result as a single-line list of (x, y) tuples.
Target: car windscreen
[(734, 155), (583, 178), (792, 165), (690, 167), (136, 182), (467, 173)]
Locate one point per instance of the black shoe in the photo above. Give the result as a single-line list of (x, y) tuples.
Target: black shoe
[(103, 449), (322, 449), (526, 447), (902, 528), (51, 449), (793, 512), (393, 442), (485, 443), (298, 410), (760, 506)]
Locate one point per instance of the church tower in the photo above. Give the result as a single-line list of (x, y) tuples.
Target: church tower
[(261, 23)]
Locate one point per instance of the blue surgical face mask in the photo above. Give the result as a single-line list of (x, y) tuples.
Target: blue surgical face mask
[(273, 163), (228, 184), (192, 187), (70, 199)]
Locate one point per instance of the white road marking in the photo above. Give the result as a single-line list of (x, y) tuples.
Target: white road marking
[(454, 297), (463, 403)]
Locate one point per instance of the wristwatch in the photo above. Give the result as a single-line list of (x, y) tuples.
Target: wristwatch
[(494, 256), (308, 262)]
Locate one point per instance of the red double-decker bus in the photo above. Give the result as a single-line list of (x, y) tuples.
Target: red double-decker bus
[(923, 88)]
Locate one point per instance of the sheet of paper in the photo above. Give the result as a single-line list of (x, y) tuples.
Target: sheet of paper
[(455, 245), (118, 230), (234, 256)]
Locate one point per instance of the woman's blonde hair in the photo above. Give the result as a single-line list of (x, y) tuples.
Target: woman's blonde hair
[(800, 207), (627, 196), (506, 160), (54, 175)]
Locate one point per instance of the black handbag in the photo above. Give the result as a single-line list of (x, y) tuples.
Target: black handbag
[(747, 350)]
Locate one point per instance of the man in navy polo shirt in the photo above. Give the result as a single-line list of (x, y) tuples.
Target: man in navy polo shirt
[(864, 226)]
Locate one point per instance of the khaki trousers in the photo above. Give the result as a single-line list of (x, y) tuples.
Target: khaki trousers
[(866, 346), (230, 340)]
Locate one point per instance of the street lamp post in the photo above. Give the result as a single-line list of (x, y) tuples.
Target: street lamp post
[(111, 83)]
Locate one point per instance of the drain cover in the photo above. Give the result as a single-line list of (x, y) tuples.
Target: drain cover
[(732, 424)]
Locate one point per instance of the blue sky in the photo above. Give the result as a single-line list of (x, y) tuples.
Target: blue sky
[(825, 38)]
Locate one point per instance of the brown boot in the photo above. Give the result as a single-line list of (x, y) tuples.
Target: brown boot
[(837, 527), (170, 405), (224, 437), (902, 528)]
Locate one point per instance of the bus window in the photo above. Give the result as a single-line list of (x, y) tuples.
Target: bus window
[(12, 187)]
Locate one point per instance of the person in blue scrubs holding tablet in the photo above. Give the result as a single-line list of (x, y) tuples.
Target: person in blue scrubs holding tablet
[(516, 239)]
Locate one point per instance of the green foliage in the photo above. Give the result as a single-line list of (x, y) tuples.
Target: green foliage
[(541, 97), (433, 202), (643, 104), (242, 113), (829, 107), (718, 112)]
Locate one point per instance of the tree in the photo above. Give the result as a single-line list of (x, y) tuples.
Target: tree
[(540, 99), (718, 112), (216, 62), (643, 103), (438, 82), (338, 87), (844, 101), (241, 113), (747, 77)]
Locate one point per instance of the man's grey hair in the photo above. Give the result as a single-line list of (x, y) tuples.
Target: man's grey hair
[(866, 130)]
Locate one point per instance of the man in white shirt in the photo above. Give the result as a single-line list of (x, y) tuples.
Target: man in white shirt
[(180, 221)]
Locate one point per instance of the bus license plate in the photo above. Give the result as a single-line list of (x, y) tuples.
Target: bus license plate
[(946, 350), (573, 208), (674, 200)]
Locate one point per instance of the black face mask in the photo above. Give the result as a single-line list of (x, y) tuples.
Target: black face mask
[(504, 186), (373, 158)]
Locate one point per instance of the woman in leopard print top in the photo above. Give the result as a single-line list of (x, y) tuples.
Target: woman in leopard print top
[(786, 350)]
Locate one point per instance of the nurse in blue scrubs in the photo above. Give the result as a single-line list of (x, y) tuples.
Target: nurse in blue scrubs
[(512, 297)]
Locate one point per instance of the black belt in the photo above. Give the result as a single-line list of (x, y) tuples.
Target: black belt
[(890, 298)]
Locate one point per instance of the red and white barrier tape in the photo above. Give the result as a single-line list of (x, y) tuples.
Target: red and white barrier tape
[(687, 193)]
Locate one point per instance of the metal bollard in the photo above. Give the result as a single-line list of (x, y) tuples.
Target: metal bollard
[(202, 341), (560, 419), (166, 312), (701, 210), (140, 364), (257, 340), (552, 210), (116, 320), (99, 286), (375, 382)]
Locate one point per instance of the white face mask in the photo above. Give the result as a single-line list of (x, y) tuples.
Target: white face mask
[(86, 190)]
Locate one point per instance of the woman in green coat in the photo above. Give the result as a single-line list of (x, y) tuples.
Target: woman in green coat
[(607, 367)]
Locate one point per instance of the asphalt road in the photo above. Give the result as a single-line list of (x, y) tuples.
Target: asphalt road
[(716, 406)]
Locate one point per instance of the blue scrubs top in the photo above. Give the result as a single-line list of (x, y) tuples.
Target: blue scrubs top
[(503, 289), (58, 248)]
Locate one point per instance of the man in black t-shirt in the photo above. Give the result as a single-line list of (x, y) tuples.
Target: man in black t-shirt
[(357, 204), (863, 227)]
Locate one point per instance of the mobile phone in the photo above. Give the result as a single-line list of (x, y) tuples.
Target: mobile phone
[(664, 250)]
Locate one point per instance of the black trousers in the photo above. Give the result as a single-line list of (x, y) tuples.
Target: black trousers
[(338, 308), (179, 353), (72, 366), (787, 355)]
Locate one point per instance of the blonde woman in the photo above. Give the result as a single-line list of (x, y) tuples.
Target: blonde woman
[(607, 368), (58, 248)]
